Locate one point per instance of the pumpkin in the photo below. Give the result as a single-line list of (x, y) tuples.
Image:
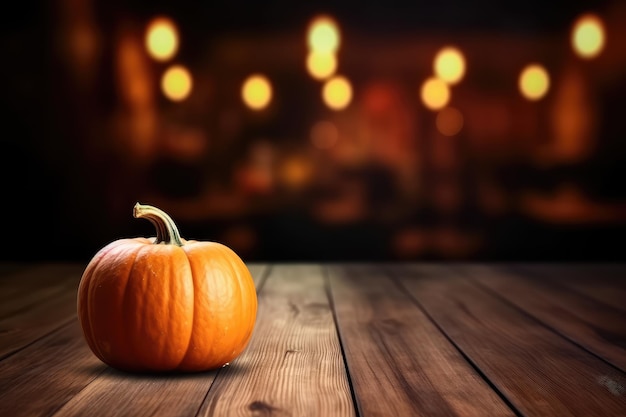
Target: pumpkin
[(164, 303)]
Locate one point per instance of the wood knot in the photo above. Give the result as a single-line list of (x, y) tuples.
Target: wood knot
[(260, 408)]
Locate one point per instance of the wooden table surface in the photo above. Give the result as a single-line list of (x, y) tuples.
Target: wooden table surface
[(418, 339)]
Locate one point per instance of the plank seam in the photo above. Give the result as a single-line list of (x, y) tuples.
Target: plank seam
[(521, 269), (530, 316), (469, 360), (331, 303), (64, 323), (60, 406)]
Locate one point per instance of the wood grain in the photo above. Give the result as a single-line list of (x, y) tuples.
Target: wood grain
[(115, 393), (39, 379), (540, 372), (399, 362), (36, 302), (597, 327), (604, 283), (293, 365), (26, 287)]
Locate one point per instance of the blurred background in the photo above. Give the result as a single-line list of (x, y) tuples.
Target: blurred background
[(289, 131)]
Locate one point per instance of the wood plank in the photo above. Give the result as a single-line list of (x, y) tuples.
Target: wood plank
[(123, 393), (605, 283), (293, 365), (540, 372), (40, 378), (28, 286), (33, 312), (595, 326), (400, 364)]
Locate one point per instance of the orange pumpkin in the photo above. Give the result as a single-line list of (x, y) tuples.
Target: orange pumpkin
[(166, 304)]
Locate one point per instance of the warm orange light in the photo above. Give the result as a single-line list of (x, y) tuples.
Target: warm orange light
[(449, 121), (449, 65), (321, 65), (435, 93), (588, 36), (256, 92), (324, 135), (534, 82), (176, 83), (162, 39), (337, 93), (323, 35), (295, 171)]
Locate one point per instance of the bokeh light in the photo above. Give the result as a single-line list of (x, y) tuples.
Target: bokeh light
[(324, 134), (534, 82), (256, 92), (449, 65), (162, 38), (337, 93), (588, 36), (176, 83), (321, 65), (323, 35), (449, 121), (295, 171), (435, 93)]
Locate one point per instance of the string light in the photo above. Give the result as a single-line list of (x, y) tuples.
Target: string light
[(435, 93), (256, 92), (176, 83), (162, 39), (449, 65), (337, 93), (588, 36), (323, 35), (534, 82)]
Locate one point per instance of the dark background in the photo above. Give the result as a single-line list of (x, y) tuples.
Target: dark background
[(71, 168)]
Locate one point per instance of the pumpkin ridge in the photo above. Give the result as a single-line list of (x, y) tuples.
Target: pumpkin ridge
[(235, 273), (127, 347), (159, 286), (93, 266), (176, 305), (195, 256), (136, 358), (85, 287), (193, 306)]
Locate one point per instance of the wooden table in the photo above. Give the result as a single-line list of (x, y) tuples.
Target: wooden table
[(417, 339)]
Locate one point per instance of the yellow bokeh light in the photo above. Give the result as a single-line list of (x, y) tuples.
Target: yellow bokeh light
[(176, 83), (256, 92), (324, 135), (323, 35), (534, 82), (449, 121), (321, 65), (337, 93), (449, 65), (435, 93), (588, 36), (162, 39)]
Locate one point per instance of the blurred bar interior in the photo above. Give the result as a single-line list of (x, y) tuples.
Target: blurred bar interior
[(442, 130)]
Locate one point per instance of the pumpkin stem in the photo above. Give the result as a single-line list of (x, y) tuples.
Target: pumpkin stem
[(166, 229)]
